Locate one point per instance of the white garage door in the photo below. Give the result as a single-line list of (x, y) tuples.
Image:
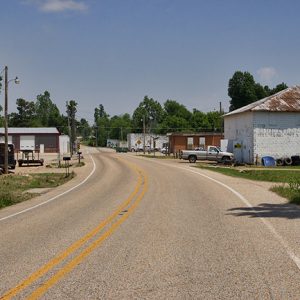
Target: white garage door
[(27, 142)]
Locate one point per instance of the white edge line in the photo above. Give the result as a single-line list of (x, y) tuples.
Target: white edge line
[(270, 227), (54, 198)]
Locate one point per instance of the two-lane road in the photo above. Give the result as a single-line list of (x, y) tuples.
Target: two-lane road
[(145, 229)]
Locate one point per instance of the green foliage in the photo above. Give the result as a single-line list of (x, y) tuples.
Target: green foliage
[(120, 126), (174, 124), (199, 121), (294, 183), (26, 116), (243, 90), (275, 175), (293, 195), (47, 112), (278, 88), (100, 129), (84, 129), (12, 187), (71, 112), (153, 113), (173, 108)]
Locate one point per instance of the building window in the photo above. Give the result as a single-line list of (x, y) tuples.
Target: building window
[(190, 143), (202, 142)]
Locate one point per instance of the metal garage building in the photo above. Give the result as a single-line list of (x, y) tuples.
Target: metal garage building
[(270, 126), (43, 140)]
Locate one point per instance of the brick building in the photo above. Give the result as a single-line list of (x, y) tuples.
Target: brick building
[(188, 141)]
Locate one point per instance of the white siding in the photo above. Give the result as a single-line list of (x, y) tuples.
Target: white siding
[(276, 134), (238, 129), (64, 144)]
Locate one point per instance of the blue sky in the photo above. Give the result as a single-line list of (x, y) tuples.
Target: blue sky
[(114, 52)]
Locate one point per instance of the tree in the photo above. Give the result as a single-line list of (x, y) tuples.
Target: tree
[(84, 129), (174, 124), (151, 111), (101, 125), (173, 108), (215, 120), (120, 126), (241, 89), (26, 115), (71, 111), (278, 88), (199, 121), (100, 113), (46, 111)]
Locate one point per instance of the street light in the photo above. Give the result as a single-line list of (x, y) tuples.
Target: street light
[(6, 82)]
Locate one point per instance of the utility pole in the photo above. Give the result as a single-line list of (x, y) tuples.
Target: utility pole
[(69, 128), (96, 136), (6, 121), (144, 133)]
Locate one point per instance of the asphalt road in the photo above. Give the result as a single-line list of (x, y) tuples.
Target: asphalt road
[(141, 228)]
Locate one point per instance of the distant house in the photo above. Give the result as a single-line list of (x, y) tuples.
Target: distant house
[(186, 141), (268, 127), (38, 139)]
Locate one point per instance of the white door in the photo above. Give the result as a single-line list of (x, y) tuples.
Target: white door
[(42, 148), (27, 142)]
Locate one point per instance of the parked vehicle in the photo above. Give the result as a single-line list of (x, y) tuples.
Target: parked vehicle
[(11, 156), (28, 158), (212, 153)]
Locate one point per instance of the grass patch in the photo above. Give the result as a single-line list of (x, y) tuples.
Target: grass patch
[(284, 191), (77, 165), (261, 175), (13, 187), (290, 189)]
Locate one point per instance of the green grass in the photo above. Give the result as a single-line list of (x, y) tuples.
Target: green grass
[(291, 194), (290, 189), (13, 187), (261, 175)]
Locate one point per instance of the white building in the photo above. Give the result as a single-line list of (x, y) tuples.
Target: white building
[(268, 127), (136, 141)]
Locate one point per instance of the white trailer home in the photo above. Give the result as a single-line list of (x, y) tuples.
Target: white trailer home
[(268, 127), (135, 141)]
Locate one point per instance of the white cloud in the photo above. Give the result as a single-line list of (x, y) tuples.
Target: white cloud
[(266, 74), (59, 5)]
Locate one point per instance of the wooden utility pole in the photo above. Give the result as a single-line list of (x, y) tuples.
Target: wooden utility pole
[(6, 121), (144, 133)]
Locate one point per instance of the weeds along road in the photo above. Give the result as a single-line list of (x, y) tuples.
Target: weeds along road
[(145, 229)]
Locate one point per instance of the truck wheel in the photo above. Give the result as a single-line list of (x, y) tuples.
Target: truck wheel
[(225, 158), (192, 159)]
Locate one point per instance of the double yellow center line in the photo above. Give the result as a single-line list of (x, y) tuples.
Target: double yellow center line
[(114, 220)]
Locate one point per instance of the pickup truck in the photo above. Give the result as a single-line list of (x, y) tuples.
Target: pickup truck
[(212, 153)]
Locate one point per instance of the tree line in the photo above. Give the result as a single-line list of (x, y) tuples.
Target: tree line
[(150, 115)]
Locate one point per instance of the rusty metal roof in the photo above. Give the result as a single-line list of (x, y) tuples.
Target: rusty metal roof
[(287, 100)]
